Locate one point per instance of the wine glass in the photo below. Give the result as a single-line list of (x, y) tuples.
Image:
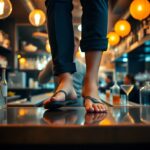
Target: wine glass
[(127, 88)]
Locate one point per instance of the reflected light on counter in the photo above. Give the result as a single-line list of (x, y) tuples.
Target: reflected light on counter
[(105, 122), (22, 112)]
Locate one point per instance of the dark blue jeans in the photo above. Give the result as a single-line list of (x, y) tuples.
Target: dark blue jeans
[(60, 30)]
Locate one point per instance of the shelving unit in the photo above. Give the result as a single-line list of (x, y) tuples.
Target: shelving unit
[(132, 47), (33, 54), (30, 70), (29, 92)]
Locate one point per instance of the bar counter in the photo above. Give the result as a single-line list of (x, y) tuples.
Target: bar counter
[(72, 125)]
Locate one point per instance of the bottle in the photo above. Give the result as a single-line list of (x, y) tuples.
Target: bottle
[(145, 94), (4, 83), (115, 89)]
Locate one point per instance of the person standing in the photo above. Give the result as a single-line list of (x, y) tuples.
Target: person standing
[(93, 43)]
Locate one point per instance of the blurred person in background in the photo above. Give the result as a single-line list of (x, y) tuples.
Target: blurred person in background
[(134, 95), (109, 83)]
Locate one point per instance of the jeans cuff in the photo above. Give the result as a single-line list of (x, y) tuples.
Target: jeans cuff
[(64, 68), (94, 45)]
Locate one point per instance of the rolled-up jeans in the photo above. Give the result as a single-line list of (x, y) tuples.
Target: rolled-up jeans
[(60, 31)]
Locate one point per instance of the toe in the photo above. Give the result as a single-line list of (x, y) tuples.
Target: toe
[(103, 108), (96, 108), (88, 106)]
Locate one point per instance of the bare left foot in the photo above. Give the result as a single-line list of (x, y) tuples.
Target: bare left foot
[(65, 84)]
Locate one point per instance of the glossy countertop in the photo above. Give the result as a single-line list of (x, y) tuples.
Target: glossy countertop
[(72, 125)]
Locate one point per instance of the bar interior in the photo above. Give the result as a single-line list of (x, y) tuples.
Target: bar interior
[(27, 80)]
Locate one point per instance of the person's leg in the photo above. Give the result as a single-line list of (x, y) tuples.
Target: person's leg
[(60, 30), (94, 41)]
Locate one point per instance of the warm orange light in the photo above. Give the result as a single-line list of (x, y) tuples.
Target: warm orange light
[(19, 56), (113, 38), (22, 112), (22, 60), (48, 48), (140, 9), (122, 28), (5, 8), (37, 17), (106, 122)]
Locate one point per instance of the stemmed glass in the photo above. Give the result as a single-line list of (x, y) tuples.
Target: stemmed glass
[(127, 88)]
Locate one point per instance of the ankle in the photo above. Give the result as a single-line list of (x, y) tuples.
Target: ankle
[(65, 76), (89, 80)]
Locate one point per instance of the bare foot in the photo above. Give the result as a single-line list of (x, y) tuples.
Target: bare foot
[(90, 88), (65, 84)]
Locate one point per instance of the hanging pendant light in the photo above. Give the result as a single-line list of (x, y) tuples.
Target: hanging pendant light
[(5, 8), (140, 9), (37, 17), (113, 38), (122, 28)]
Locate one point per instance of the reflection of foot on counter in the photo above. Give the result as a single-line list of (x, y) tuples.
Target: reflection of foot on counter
[(63, 117), (94, 118)]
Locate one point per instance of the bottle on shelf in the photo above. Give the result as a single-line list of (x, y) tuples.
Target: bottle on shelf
[(3, 90), (4, 83)]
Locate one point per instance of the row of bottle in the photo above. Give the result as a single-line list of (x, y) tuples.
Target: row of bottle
[(116, 98), (33, 63)]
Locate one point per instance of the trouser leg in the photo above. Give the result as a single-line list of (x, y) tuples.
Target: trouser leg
[(94, 25), (60, 30)]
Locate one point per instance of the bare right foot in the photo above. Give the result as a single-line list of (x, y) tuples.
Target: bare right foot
[(65, 84), (90, 89)]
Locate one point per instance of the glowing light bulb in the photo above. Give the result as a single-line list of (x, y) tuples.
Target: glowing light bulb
[(5, 8), (113, 38), (37, 18), (80, 27), (122, 27), (2, 5), (140, 8)]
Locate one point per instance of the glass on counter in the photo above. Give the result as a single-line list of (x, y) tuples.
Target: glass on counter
[(145, 94), (108, 95), (127, 88), (145, 114)]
